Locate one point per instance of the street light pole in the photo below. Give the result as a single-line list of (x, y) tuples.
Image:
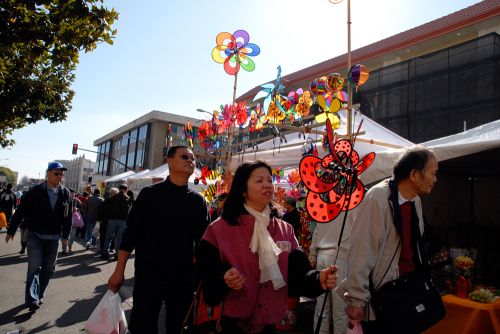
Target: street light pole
[(349, 95)]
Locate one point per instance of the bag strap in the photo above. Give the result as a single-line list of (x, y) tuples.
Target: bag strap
[(389, 266), (191, 307)]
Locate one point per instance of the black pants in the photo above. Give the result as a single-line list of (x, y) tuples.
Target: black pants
[(102, 234), (148, 298)]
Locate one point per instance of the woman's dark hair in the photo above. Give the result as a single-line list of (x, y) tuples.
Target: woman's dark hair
[(233, 206), (415, 157)]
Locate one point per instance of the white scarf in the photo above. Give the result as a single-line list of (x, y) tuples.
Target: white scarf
[(264, 245)]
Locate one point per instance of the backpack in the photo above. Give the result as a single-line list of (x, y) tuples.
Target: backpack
[(7, 199)]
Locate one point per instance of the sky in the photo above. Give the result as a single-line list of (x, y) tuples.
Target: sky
[(161, 60)]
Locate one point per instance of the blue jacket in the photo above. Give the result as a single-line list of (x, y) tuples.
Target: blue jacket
[(37, 215)]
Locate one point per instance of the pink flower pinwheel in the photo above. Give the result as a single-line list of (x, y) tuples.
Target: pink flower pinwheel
[(234, 51)]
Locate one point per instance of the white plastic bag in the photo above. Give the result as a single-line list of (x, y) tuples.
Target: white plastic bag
[(356, 329), (108, 317), (95, 231)]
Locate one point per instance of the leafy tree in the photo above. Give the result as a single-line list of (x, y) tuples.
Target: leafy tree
[(25, 181), (40, 41), (10, 176)]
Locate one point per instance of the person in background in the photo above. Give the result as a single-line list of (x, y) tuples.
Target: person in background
[(322, 253), (81, 231), (103, 220), (216, 213), (131, 197), (8, 202), (292, 215), (92, 207), (388, 225), (46, 210), (77, 205), (164, 227), (253, 271), (117, 210)]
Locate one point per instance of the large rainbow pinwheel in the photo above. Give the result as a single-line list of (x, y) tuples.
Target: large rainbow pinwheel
[(234, 51)]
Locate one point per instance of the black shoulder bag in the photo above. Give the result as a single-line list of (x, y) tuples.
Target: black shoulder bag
[(409, 304)]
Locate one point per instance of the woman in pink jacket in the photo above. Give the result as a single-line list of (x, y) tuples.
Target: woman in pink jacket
[(249, 259)]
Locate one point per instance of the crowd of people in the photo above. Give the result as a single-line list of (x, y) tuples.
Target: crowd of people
[(244, 251)]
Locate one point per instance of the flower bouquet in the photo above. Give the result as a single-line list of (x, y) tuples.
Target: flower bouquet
[(464, 265)]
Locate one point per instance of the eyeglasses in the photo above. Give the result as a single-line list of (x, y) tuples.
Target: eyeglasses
[(58, 174), (187, 157)]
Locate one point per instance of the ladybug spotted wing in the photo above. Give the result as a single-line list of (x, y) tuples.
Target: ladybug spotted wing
[(321, 211)]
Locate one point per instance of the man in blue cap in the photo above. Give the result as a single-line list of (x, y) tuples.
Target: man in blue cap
[(46, 211)]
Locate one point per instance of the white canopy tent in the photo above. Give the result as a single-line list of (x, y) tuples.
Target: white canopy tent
[(159, 174), (119, 177), (481, 138), (373, 138)]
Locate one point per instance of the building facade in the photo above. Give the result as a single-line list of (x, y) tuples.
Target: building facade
[(427, 82), (80, 173), (142, 143)]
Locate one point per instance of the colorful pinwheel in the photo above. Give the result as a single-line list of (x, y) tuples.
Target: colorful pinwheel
[(234, 51), (270, 92), (277, 175), (333, 181), (188, 133)]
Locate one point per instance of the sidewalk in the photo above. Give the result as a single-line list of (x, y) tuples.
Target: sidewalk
[(78, 285)]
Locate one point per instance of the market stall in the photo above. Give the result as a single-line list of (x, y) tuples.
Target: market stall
[(464, 316), (286, 154)]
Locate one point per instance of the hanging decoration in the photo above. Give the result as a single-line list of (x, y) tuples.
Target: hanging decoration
[(209, 193), (271, 92), (277, 174), (333, 182), (188, 133), (168, 138), (358, 75), (207, 173)]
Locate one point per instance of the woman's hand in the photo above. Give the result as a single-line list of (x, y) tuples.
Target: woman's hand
[(234, 280), (328, 277)]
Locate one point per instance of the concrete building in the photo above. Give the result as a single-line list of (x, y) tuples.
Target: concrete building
[(427, 82), (142, 143), (79, 174)]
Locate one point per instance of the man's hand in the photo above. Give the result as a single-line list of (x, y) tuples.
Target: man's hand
[(312, 261), (234, 280), (328, 277), (9, 237), (64, 242), (116, 280)]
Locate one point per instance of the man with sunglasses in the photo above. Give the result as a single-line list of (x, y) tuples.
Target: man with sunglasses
[(46, 211), (164, 227)]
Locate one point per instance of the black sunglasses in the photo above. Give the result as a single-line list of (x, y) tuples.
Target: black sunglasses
[(187, 157)]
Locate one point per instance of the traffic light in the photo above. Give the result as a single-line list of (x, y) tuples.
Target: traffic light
[(75, 149)]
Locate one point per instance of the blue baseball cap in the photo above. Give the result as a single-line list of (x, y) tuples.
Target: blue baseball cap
[(56, 165)]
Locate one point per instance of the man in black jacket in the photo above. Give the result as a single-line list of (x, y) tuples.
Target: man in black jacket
[(46, 211), (164, 226), (116, 211), (292, 215)]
